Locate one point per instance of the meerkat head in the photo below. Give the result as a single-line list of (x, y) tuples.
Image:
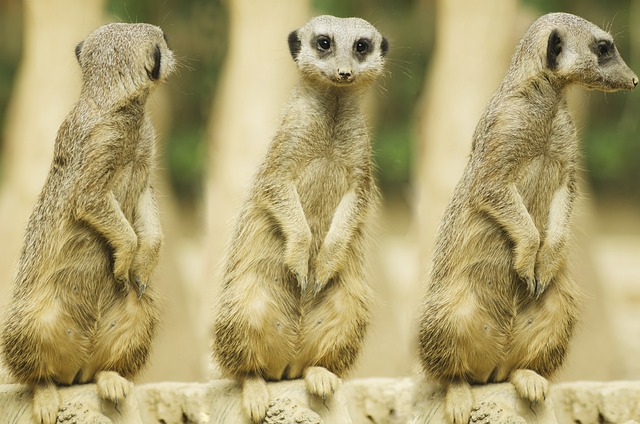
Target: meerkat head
[(121, 59), (338, 51), (577, 51)]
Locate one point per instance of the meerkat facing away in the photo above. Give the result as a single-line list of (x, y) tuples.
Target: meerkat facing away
[(295, 301), (501, 304), (81, 310)]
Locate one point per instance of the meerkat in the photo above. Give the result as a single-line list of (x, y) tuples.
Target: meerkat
[(295, 302), (82, 310), (500, 303)]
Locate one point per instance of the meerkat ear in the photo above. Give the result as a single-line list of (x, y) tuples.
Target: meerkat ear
[(554, 48), (157, 56), (294, 44), (384, 46), (78, 50)]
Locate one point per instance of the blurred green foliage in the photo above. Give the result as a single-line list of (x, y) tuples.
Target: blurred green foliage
[(10, 53), (197, 32)]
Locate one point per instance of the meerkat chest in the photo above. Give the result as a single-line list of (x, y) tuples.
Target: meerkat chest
[(321, 185), (130, 179), (544, 174)]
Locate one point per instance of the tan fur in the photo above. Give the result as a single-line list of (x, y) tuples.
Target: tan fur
[(80, 312), (295, 302), (500, 303)]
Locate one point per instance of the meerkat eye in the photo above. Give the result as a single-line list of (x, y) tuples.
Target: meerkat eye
[(362, 46), (605, 48), (324, 43)]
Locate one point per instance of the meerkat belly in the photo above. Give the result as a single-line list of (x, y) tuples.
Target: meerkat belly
[(83, 301)]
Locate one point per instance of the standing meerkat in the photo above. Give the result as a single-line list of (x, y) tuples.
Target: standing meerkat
[(501, 304), (81, 311), (295, 301)]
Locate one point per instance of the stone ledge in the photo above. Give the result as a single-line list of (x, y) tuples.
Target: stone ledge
[(362, 401), (588, 402)]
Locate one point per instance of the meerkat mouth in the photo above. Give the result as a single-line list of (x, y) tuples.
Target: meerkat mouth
[(337, 80)]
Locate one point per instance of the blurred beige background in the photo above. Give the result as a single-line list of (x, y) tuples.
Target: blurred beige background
[(216, 117)]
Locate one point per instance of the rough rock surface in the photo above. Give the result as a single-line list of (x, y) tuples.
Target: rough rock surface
[(495, 403), (597, 402), (80, 405), (363, 401)]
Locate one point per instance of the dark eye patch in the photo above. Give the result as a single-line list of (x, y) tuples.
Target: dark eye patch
[(604, 49), (323, 42), (362, 46)]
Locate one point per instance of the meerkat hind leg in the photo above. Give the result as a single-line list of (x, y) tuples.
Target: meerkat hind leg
[(530, 385), (255, 398), (46, 403), (321, 382), (458, 402), (112, 386)]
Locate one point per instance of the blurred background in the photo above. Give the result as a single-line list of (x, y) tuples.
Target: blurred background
[(217, 115)]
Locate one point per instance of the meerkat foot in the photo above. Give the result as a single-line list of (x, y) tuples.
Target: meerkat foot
[(112, 386), (46, 404), (255, 398), (321, 382), (530, 385), (458, 402)]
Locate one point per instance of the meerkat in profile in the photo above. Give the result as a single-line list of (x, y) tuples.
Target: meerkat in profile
[(81, 309), (295, 300), (501, 304)]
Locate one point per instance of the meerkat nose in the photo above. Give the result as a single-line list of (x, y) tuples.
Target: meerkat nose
[(344, 73), (635, 81)]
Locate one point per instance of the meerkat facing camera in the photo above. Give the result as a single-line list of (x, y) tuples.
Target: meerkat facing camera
[(81, 309), (295, 300), (500, 303)]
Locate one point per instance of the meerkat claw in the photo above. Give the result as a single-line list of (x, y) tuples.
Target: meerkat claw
[(317, 287), (123, 283), (303, 282), (538, 287), (142, 287)]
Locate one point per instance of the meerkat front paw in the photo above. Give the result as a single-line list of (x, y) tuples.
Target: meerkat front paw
[(326, 266), (123, 257), (255, 398), (547, 265), (321, 382), (142, 269), (112, 386), (530, 385), (46, 404), (458, 403), (525, 261), (297, 257)]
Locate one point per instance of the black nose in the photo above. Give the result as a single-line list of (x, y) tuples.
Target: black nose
[(635, 81), (344, 74)]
